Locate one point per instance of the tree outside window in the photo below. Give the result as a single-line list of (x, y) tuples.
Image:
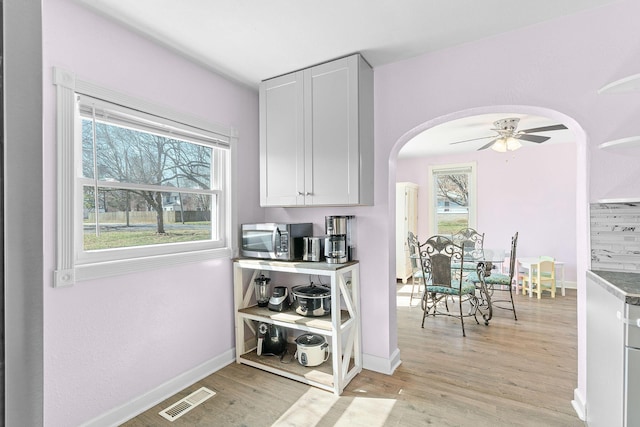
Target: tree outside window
[(142, 188), (453, 198)]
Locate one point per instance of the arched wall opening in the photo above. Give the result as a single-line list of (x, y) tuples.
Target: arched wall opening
[(582, 243)]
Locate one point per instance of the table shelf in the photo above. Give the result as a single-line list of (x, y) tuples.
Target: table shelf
[(319, 376), (290, 319)]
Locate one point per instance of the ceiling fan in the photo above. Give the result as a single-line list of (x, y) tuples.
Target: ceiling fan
[(508, 139)]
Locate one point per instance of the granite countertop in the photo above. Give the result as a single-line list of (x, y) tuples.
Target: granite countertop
[(624, 285)]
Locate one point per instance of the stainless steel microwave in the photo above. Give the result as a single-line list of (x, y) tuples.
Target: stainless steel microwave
[(274, 241)]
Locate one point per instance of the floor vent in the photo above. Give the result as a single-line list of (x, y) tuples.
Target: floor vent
[(183, 406)]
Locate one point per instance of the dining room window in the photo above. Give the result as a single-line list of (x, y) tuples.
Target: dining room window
[(452, 198)]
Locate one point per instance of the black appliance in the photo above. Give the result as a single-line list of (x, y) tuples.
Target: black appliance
[(279, 300), (272, 340), (312, 300)]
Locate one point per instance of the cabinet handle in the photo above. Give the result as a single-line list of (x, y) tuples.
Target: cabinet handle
[(633, 322), (307, 193), (300, 193)]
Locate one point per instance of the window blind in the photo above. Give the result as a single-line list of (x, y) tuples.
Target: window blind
[(110, 113), (452, 171)]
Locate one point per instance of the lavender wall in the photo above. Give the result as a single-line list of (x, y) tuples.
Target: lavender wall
[(112, 340), (557, 66), (531, 191), (107, 342)]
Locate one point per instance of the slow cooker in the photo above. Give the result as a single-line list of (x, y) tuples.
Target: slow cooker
[(312, 349), (312, 300)]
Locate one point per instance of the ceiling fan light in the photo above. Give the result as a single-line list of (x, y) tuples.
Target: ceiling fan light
[(513, 144), (500, 145)]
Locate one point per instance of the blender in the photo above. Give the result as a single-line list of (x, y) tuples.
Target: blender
[(262, 290), (279, 300)]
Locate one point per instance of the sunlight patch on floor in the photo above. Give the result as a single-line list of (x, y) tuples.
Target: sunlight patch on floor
[(366, 412), (308, 410), (312, 406), (403, 295)]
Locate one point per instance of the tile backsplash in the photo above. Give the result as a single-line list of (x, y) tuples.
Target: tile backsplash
[(615, 236)]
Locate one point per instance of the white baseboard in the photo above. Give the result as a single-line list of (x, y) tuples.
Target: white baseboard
[(136, 406), (578, 404), (380, 364)]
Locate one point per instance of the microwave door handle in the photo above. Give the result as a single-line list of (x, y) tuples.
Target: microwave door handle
[(276, 235)]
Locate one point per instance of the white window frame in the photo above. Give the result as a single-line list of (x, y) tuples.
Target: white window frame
[(453, 168), (73, 263)]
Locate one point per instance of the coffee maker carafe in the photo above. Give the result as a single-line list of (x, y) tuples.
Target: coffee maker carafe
[(339, 240)]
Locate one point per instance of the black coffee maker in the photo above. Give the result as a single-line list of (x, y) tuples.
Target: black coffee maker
[(272, 340)]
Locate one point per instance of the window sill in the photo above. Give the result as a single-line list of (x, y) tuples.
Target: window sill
[(101, 270)]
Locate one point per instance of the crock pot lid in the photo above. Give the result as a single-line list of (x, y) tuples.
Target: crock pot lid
[(310, 340), (312, 290)]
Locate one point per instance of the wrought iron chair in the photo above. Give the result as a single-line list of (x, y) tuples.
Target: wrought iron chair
[(417, 275), (469, 239), (472, 243), (436, 256), (501, 282)]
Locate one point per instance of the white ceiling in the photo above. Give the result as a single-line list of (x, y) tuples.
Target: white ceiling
[(438, 139), (252, 40)]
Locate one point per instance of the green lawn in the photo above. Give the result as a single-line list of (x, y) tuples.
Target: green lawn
[(452, 225), (121, 239)]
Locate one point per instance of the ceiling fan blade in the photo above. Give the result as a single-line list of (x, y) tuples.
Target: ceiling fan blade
[(544, 129), (532, 138), (473, 139), (484, 147)]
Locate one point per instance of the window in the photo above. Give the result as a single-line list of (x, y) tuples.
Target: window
[(452, 197), (139, 185)]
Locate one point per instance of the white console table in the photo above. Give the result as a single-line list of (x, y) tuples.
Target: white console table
[(341, 328)]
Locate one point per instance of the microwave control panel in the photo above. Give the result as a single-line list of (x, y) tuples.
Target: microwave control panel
[(283, 246)]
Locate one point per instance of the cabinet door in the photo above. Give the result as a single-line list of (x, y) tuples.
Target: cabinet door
[(406, 220), (281, 141), (412, 208), (632, 414), (605, 357), (331, 135)]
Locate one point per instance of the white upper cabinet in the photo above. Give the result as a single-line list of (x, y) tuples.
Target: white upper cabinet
[(316, 136)]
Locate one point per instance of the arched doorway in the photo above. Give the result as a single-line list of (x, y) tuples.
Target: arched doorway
[(581, 193)]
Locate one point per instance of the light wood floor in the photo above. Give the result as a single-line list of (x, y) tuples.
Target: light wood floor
[(506, 374)]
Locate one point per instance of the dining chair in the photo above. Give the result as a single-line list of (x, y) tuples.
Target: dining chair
[(417, 275), (543, 278), (472, 243), (501, 282), (436, 257), (470, 240)]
